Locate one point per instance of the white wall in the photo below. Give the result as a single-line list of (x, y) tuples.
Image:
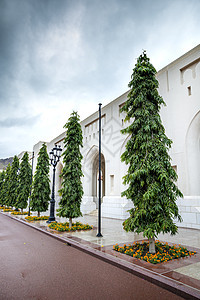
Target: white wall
[(181, 119)]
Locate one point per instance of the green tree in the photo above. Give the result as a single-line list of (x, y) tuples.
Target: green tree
[(24, 183), (41, 183), (5, 186), (150, 177), (12, 191), (72, 190), (2, 179)]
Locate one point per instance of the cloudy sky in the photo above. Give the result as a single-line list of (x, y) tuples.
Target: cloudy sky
[(57, 56)]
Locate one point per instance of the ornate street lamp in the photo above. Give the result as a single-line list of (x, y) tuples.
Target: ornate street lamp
[(54, 158)]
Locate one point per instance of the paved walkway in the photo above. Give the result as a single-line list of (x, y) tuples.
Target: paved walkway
[(36, 267), (181, 276)]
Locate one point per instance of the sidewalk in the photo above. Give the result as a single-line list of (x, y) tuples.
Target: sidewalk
[(181, 276)]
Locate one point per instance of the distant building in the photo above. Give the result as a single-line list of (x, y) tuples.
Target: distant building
[(179, 85)]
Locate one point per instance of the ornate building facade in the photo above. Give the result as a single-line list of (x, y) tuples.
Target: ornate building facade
[(179, 85)]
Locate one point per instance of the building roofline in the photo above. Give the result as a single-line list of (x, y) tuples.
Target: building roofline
[(103, 107), (190, 52), (187, 54)]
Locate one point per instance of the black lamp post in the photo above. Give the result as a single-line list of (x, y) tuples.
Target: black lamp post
[(99, 210), (54, 158)]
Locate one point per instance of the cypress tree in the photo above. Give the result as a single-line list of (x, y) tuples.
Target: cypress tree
[(150, 177), (12, 191), (24, 183), (41, 183), (72, 190), (5, 185), (2, 179)]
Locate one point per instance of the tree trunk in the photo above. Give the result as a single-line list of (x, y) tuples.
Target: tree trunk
[(70, 222), (38, 214), (152, 248), (22, 210)]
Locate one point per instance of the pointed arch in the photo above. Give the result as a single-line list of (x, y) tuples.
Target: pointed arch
[(90, 155), (91, 171), (58, 182), (193, 155), (124, 145)]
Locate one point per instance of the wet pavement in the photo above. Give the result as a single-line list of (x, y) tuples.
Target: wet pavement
[(181, 276)]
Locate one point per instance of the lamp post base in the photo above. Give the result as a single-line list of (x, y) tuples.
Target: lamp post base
[(99, 235), (51, 219)]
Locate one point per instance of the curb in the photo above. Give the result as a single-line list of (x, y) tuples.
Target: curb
[(171, 285)]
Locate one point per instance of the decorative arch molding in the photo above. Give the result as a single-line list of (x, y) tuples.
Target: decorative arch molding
[(91, 154), (90, 157), (58, 180), (59, 168), (95, 175), (122, 149), (90, 170), (193, 155)]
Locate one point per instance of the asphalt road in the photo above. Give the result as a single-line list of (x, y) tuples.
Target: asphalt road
[(36, 266)]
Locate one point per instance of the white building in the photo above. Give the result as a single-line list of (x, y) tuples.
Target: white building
[(179, 85)]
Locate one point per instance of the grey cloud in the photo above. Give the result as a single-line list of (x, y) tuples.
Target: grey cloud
[(108, 28), (19, 122), (40, 84), (66, 49), (23, 24)]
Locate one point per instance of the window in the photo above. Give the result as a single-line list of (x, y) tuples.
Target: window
[(189, 91), (111, 183)]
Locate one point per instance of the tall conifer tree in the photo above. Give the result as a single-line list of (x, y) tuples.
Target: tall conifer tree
[(41, 183), (150, 177), (2, 179), (5, 185), (72, 190), (24, 183), (12, 191)]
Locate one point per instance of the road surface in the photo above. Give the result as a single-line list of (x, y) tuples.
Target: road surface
[(36, 266)]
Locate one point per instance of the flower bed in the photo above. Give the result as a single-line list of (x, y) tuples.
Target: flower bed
[(34, 218), (16, 213), (65, 226), (164, 252), (7, 209), (2, 207)]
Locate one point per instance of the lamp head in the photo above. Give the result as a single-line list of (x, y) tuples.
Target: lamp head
[(59, 150), (51, 155)]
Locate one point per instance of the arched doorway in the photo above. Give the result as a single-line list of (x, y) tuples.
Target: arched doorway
[(90, 179), (193, 156), (95, 178)]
